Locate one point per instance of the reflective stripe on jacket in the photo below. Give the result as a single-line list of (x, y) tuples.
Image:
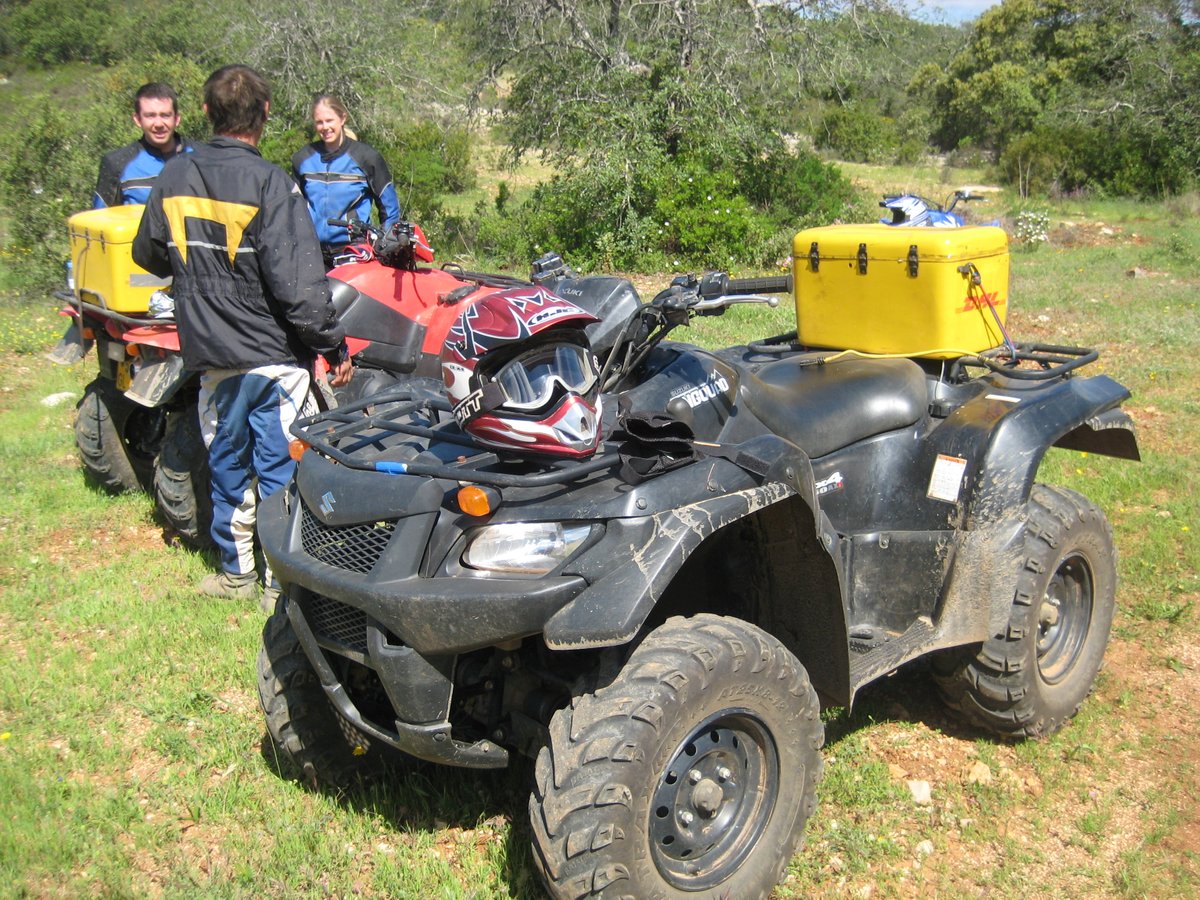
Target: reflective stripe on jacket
[(128, 173), (343, 184), (250, 288)]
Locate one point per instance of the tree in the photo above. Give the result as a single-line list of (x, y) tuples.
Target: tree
[(1039, 76)]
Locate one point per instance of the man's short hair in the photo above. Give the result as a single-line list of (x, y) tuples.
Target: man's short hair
[(236, 98), (155, 90)]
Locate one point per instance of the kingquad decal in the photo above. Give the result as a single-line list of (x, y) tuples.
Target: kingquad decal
[(714, 387), (834, 482)]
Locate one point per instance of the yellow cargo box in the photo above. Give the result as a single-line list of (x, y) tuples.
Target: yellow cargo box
[(930, 292), (102, 260)]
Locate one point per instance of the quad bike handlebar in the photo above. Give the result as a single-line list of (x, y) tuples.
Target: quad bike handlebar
[(400, 246)]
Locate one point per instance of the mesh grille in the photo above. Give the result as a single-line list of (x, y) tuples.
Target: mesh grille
[(355, 548), (338, 623)]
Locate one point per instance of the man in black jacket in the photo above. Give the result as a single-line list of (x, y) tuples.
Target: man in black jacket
[(252, 304)]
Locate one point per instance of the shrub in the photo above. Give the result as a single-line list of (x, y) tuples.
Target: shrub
[(56, 31), (1134, 161), (857, 134), (428, 160), (696, 211)]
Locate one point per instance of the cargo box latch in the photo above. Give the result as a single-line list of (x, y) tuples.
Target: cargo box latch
[(814, 257), (862, 259), (914, 261)]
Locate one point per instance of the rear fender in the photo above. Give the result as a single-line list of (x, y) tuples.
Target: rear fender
[(158, 378), (72, 346), (1004, 435)]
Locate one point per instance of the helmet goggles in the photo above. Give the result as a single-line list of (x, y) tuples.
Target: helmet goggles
[(534, 379)]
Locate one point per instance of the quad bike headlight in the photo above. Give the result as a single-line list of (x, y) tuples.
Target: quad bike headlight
[(529, 548)]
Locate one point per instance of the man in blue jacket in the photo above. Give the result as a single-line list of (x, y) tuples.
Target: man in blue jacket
[(253, 308), (127, 173)]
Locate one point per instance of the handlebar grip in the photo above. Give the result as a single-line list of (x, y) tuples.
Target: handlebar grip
[(337, 223), (769, 284)]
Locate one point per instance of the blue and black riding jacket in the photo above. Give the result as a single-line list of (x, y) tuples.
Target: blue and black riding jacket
[(128, 173), (342, 185)]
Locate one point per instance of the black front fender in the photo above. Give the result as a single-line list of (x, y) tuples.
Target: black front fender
[(649, 551)]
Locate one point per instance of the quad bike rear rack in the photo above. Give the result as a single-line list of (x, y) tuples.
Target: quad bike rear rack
[(1052, 360), (343, 432)]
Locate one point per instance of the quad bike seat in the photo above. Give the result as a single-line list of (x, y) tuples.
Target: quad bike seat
[(822, 408)]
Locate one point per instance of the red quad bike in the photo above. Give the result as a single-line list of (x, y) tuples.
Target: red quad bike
[(137, 427)]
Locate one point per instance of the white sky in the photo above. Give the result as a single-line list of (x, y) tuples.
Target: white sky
[(953, 11)]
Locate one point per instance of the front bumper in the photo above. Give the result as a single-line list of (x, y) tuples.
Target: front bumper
[(415, 686), (361, 598)]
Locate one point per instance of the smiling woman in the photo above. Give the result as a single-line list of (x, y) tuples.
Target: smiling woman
[(341, 178)]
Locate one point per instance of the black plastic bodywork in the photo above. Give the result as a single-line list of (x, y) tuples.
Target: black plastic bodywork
[(864, 511)]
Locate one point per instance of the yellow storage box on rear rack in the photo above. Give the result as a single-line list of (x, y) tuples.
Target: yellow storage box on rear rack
[(102, 260), (930, 292)]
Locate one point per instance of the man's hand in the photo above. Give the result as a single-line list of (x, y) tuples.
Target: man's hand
[(342, 374)]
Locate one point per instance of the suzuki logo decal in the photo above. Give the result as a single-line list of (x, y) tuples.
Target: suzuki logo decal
[(327, 502)]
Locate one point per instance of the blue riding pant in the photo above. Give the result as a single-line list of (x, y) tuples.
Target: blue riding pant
[(245, 415)]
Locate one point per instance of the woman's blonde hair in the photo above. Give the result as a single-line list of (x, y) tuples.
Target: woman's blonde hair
[(331, 101)]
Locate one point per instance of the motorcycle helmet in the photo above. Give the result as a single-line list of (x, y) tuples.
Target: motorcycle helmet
[(906, 210), (520, 374)]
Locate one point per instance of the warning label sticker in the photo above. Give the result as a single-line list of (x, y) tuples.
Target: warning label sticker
[(946, 480)]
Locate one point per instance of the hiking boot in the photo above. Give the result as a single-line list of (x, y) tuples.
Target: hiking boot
[(225, 584), (270, 599)]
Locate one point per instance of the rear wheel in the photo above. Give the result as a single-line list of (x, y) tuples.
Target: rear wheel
[(1029, 680), (117, 438), (691, 774), (306, 729), (182, 488)]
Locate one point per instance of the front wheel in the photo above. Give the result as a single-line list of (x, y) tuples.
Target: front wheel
[(1030, 679), (691, 775), (305, 728), (117, 438)]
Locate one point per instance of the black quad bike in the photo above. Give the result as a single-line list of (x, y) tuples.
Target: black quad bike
[(768, 529)]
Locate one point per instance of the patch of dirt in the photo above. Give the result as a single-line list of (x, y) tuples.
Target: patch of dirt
[(1091, 234), (1126, 794), (115, 536)]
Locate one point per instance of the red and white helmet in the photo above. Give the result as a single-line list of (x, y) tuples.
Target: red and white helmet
[(520, 374)]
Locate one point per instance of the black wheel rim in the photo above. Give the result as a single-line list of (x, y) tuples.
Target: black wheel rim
[(713, 800), (1064, 618)]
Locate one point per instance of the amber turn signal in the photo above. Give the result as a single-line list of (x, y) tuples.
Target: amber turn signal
[(296, 449), (477, 501)]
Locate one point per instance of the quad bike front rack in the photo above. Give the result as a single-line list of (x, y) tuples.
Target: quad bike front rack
[(344, 432)]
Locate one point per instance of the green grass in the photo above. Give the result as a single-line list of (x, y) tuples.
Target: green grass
[(133, 758)]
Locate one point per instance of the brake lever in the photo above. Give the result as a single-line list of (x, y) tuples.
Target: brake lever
[(722, 301)]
